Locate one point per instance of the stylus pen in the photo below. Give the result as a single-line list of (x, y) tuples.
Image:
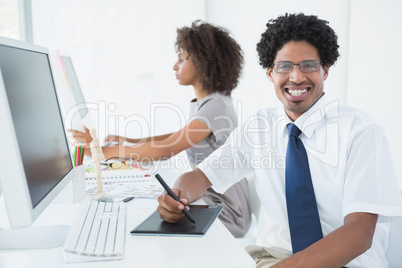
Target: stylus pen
[(128, 199), (170, 192)]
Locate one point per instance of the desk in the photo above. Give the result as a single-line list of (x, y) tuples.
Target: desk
[(218, 248)]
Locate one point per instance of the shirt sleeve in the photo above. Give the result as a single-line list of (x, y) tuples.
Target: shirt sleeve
[(229, 163), (217, 116), (370, 181)]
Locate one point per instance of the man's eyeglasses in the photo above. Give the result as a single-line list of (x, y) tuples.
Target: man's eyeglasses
[(308, 66), (117, 164)]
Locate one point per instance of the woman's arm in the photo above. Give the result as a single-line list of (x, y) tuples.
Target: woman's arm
[(153, 138), (154, 149), (120, 139)]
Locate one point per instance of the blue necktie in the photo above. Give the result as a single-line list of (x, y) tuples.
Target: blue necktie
[(304, 221)]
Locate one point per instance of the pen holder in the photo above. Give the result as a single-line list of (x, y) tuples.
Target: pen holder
[(78, 157)]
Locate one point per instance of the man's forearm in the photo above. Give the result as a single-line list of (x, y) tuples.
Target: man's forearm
[(339, 247), (194, 182)]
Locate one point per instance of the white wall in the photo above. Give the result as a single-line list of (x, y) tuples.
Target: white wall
[(124, 53), (374, 81)]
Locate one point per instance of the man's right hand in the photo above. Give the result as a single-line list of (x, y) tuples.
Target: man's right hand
[(169, 209)]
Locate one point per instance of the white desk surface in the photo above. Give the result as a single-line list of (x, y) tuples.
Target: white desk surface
[(218, 248)]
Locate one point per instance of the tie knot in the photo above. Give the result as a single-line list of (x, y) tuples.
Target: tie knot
[(293, 130)]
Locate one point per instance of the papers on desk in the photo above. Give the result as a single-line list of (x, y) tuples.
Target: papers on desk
[(125, 182)]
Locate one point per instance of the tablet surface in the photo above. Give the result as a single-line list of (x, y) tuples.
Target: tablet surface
[(204, 216)]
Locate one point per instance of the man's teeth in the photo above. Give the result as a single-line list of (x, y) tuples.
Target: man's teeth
[(297, 92)]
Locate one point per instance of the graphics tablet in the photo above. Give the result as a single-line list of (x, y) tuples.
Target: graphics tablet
[(204, 216)]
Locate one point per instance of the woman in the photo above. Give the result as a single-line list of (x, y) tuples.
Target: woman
[(211, 62)]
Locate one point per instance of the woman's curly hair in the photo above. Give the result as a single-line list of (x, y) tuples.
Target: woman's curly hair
[(298, 27), (217, 57)]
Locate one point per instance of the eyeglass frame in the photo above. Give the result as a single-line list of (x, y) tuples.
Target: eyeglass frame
[(121, 160), (293, 66)]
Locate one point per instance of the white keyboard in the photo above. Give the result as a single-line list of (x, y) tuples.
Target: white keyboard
[(98, 232)]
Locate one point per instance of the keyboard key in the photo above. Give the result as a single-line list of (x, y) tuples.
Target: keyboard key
[(97, 233)]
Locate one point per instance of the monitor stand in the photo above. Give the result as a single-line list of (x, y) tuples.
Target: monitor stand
[(33, 237)]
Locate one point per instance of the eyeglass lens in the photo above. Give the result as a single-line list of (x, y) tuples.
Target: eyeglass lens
[(116, 165), (308, 66)]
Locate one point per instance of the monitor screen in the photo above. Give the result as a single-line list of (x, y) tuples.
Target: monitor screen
[(36, 117), (72, 80)]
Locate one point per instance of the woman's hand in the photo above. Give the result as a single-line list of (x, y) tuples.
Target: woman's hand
[(114, 139), (81, 138)]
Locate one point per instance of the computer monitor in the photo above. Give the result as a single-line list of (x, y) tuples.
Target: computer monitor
[(76, 111), (35, 161)]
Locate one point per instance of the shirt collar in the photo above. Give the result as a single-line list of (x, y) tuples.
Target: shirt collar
[(309, 120), (284, 122), (201, 102)]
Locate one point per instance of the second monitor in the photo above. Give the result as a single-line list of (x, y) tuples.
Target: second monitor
[(76, 111)]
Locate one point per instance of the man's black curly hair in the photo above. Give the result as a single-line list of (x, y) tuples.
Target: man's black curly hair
[(298, 27), (217, 57)]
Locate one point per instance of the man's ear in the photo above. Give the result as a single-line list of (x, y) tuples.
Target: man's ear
[(269, 74), (326, 71)]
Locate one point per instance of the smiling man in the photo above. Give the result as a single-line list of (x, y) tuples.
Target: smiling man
[(298, 89), (323, 172)]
